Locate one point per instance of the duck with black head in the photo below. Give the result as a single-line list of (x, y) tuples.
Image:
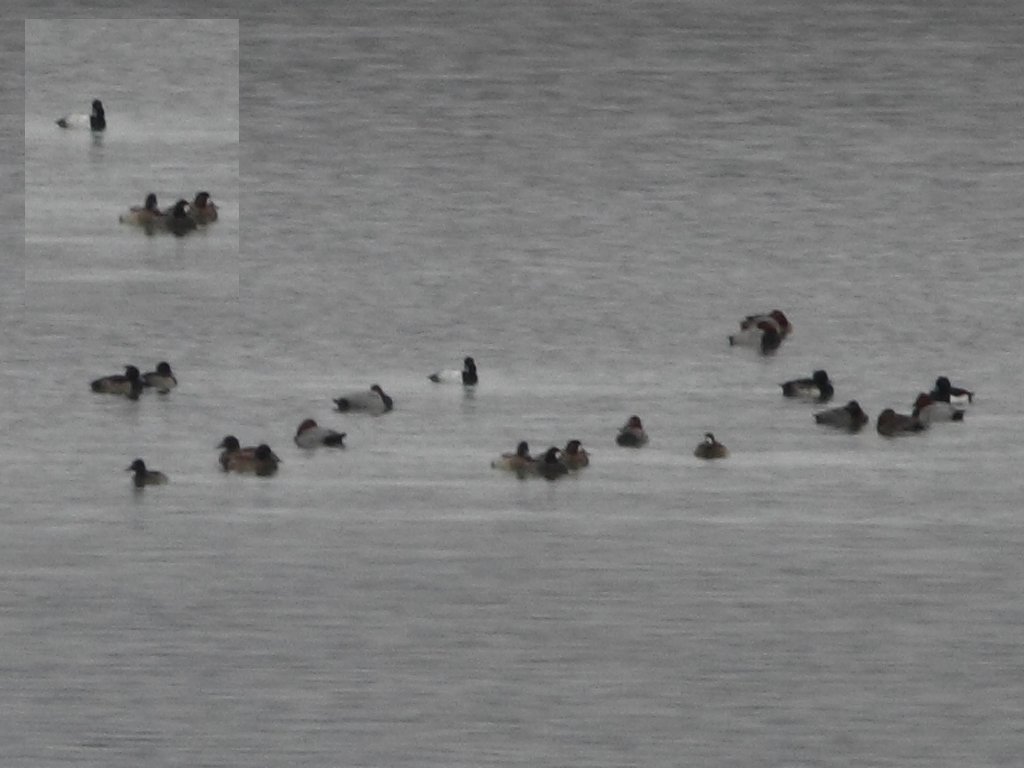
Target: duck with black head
[(128, 383), (147, 215), (178, 220), (95, 121), (143, 476)]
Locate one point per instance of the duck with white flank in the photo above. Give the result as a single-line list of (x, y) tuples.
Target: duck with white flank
[(467, 376), (817, 388), (764, 332), (311, 435), (373, 401), (162, 379), (945, 392), (95, 121)]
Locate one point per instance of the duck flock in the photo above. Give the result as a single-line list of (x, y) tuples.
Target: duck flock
[(181, 218), (764, 332), (944, 403)]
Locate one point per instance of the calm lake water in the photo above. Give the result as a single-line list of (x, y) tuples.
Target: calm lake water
[(586, 197)]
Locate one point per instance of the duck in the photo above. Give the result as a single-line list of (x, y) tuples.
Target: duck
[(930, 411), (550, 466), (128, 383), (632, 435), (850, 417), (945, 392), (575, 456), (234, 456), (146, 215), (467, 376), (203, 209), (178, 219), (765, 331), (519, 462), (311, 435), (374, 401), (260, 461), (709, 448), (143, 476), (817, 388), (162, 379), (892, 424), (96, 120)]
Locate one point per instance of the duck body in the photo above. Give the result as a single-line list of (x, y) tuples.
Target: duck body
[(817, 388), (575, 456), (260, 461), (764, 332), (128, 384), (850, 417), (162, 379), (892, 424), (147, 215), (95, 121), (312, 435), (467, 376), (632, 435), (234, 457), (519, 462), (550, 466), (203, 210), (709, 448), (945, 392), (373, 401), (930, 411), (143, 476), (178, 220)]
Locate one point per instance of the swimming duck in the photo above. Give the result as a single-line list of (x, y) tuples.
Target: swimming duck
[(96, 121), (817, 387), (202, 208), (128, 384), (178, 220), (261, 460), (143, 476), (310, 435), (550, 466), (373, 401), (467, 376), (892, 424), (930, 411), (765, 332), (234, 456), (632, 435), (519, 462), (162, 380), (945, 392), (849, 416), (148, 215), (709, 448), (575, 456)]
